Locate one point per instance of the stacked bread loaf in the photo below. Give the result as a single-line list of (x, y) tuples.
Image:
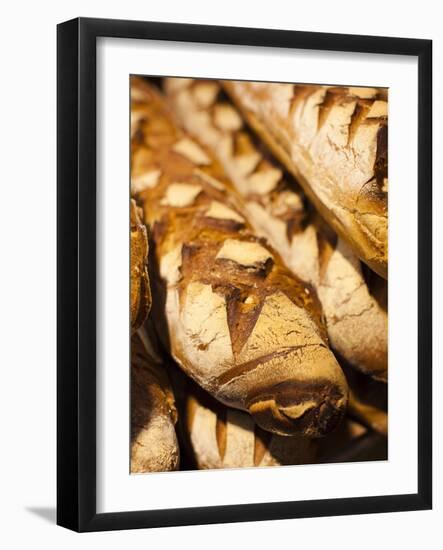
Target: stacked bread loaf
[(154, 445), (260, 299), (140, 289)]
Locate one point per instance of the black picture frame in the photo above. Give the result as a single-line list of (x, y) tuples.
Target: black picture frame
[(76, 273)]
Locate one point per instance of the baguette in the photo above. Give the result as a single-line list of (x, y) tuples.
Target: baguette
[(355, 307), (278, 209), (154, 446), (140, 289), (217, 436), (237, 321), (334, 141)]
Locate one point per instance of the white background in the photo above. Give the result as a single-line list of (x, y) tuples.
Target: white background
[(117, 490), (27, 299)]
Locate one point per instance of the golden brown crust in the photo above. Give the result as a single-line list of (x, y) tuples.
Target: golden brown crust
[(154, 446), (277, 208), (217, 436), (275, 204), (356, 313), (244, 327), (140, 289), (335, 142)]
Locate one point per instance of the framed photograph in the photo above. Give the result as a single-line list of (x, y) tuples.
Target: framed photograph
[(230, 344)]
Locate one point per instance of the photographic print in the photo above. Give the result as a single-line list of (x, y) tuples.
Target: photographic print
[(222, 274), (259, 265)]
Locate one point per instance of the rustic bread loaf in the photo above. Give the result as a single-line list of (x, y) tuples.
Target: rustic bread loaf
[(354, 301), (278, 210), (217, 436), (334, 140), (154, 445), (238, 322), (140, 290)]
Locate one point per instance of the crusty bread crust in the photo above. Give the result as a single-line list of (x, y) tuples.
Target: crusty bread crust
[(334, 140), (277, 208), (154, 445), (140, 289), (238, 322), (357, 318), (217, 436)]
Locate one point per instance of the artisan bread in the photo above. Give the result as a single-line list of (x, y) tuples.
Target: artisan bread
[(278, 210), (140, 289), (355, 307), (154, 445), (237, 320), (334, 141), (217, 436)]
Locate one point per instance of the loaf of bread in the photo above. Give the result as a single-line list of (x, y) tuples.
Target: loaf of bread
[(354, 301), (279, 211), (237, 320), (154, 445), (217, 436), (140, 289), (334, 141)]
